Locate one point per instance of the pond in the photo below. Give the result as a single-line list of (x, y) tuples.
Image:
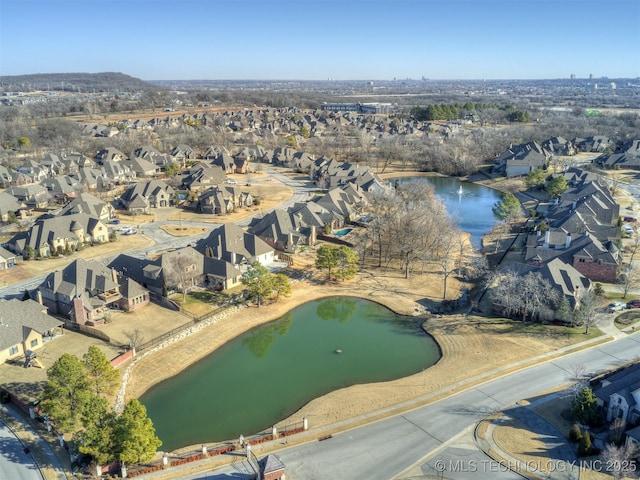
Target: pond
[(267, 374), (468, 204)]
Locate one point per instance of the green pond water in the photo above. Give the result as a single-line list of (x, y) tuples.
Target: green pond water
[(266, 374)]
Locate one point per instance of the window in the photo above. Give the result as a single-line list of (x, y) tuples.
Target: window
[(34, 343), (13, 350)]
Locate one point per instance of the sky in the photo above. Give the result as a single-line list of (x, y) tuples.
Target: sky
[(322, 39)]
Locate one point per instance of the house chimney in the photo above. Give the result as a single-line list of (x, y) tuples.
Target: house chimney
[(233, 257), (78, 311), (114, 275), (219, 249), (313, 236), (39, 297), (567, 242), (547, 237), (290, 241)]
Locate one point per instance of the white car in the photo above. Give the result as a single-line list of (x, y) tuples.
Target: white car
[(616, 307), (232, 181)]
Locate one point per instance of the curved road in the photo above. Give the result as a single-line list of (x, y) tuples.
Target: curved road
[(429, 434), (15, 464), (164, 241)]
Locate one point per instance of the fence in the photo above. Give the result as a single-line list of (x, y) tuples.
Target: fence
[(87, 330), (212, 450)]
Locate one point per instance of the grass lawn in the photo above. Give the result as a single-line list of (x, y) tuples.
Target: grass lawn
[(200, 302), (627, 319)]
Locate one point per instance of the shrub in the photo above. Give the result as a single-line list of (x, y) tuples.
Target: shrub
[(575, 434), (4, 397), (584, 447)]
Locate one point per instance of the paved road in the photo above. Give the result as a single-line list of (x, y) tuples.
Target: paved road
[(164, 241), (15, 464), (428, 435)]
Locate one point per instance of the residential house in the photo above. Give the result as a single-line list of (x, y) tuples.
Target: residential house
[(284, 230), (119, 172), (201, 176), (142, 196), (521, 159), (182, 268), (142, 168), (231, 243), (59, 234), (8, 206), (62, 188), (596, 143), (6, 177), (7, 259), (618, 395), (183, 152), (32, 196), (559, 146), (82, 292), (87, 203), (625, 156), (109, 154), (25, 326), (225, 161), (597, 261), (35, 170)]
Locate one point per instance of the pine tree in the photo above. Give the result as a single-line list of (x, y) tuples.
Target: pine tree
[(135, 434)]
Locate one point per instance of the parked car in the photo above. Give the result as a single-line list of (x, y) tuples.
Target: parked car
[(628, 230), (630, 219), (115, 221), (131, 231), (633, 304), (232, 181), (616, 307), (124, 229)]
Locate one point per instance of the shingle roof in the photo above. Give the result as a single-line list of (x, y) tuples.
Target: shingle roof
[(16, 315)]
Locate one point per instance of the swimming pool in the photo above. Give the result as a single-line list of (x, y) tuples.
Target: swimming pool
[(343, 232)]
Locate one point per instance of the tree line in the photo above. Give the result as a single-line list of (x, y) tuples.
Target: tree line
[(76, 402)]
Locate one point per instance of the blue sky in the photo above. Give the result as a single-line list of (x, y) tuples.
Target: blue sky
[(321, 39)]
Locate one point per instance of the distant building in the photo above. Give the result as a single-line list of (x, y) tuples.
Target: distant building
[(370, 108)]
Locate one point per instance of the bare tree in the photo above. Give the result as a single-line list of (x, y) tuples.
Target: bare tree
[(135, 338), (630, 277), (585, 313), (619, 459)]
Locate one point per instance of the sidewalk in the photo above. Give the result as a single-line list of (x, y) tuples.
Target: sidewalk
[(44, 457)]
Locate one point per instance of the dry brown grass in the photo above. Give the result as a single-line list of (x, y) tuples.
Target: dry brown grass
[(520, 443)]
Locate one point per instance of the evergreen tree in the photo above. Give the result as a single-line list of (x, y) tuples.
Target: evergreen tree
[(66, 393), (135, 435), (104, 378), (347, 262), (97, 439), (556, 186), (535, 178), (326, 259), (258, 281), (584, 407), (507, 209)]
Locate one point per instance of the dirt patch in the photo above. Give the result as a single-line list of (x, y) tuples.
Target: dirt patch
[(513, 436)]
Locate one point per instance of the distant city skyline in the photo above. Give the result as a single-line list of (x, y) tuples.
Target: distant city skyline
[(323, 39)]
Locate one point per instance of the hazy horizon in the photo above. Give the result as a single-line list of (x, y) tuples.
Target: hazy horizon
[(348, 40)]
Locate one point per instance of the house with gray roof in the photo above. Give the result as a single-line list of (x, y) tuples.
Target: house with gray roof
[(142, 196), (142, 168), (62, 187), (83, 291), (87, 203), (521, 159), (202, 176), (7, 259), (59, 234), (8, 205), (182, 268), (24, 325), (32, 196), (231, 243), (625, 156), (618, 395)]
